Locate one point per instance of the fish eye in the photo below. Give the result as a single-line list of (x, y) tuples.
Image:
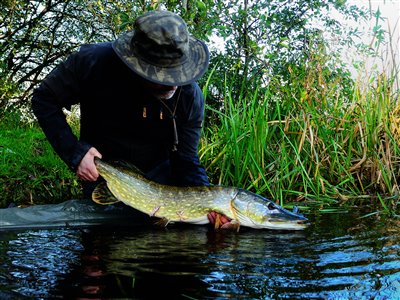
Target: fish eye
[(271, 206)]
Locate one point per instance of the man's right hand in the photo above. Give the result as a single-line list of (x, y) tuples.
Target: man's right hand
[(218, 220), (87, 169)]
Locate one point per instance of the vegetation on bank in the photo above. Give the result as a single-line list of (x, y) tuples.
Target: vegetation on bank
[(289, 143), (30, 171), (295, 146), (284, 118)]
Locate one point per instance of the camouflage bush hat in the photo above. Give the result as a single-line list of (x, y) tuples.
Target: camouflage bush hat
[(161, 50)]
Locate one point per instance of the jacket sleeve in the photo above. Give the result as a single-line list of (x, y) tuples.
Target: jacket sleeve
[(60, 89), (186, 167)]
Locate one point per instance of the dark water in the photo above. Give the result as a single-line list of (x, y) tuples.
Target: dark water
[(338, 257)]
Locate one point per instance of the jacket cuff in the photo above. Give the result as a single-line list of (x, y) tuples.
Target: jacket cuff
[(79, 152)]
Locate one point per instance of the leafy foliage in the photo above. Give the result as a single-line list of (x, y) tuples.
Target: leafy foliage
[(261, 37), (36, 35), (284, 116)]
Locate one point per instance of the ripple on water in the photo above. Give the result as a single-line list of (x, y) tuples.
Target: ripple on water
[(363, 264), (339, 257), (34, 261)]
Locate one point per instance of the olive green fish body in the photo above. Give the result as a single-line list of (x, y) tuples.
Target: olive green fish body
[(192, 204)]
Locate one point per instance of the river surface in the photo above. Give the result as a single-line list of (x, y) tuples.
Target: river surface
[(338, 257)]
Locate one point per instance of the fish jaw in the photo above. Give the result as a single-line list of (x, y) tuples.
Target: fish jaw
[(287, 220), (276, 223), (254, 211)]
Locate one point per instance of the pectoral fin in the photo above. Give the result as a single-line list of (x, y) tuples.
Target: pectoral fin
[(102, 195), (162, 222)]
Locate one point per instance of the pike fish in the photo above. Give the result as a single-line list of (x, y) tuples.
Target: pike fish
[(191, 204)]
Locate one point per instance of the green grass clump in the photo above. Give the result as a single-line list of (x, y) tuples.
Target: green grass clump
[(310, 140), (30, 171)]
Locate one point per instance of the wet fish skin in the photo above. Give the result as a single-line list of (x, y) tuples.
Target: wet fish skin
[(192, 204)]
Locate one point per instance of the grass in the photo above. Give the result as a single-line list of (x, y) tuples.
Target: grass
[(30, 171), (319, 141), (301, 146), (309, 141)]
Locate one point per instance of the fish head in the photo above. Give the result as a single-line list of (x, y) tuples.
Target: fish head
[(255, 211)]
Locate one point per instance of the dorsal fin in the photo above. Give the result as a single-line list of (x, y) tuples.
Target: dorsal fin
[(102, 195)]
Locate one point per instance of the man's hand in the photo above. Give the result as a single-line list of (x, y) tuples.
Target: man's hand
[(217, 219), (87, 169)]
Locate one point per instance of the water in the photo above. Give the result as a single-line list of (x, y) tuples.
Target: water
[(338, 257)]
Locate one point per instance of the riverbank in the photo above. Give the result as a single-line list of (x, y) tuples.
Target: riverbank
[(320, 149)]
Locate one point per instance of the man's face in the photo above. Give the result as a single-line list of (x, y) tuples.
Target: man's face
[(161, 92)]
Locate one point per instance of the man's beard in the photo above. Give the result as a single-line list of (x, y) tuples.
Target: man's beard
[(164, 95)]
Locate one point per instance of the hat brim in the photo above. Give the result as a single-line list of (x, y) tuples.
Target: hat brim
[(191, 70)]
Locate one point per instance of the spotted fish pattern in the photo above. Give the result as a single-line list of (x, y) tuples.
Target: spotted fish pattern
[(192, 204)]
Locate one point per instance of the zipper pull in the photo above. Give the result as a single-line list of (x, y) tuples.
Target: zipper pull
[(144, 114)]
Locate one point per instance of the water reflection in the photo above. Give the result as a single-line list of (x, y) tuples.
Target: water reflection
[(32, 262), (338, 257)]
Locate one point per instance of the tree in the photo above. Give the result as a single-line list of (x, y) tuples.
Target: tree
[(35, 35), (264, 38), (261, 37)]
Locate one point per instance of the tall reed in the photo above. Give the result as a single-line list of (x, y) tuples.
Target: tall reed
[(317, 139)]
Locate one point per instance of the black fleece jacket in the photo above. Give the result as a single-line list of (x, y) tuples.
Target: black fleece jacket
[(118, 117)]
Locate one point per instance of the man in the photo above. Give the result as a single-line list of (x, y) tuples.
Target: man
[(139, 102)]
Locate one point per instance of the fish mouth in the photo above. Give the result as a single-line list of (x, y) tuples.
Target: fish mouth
[(288, 220), (276, 218), (281, 221), (283, 224), (300, 222)]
